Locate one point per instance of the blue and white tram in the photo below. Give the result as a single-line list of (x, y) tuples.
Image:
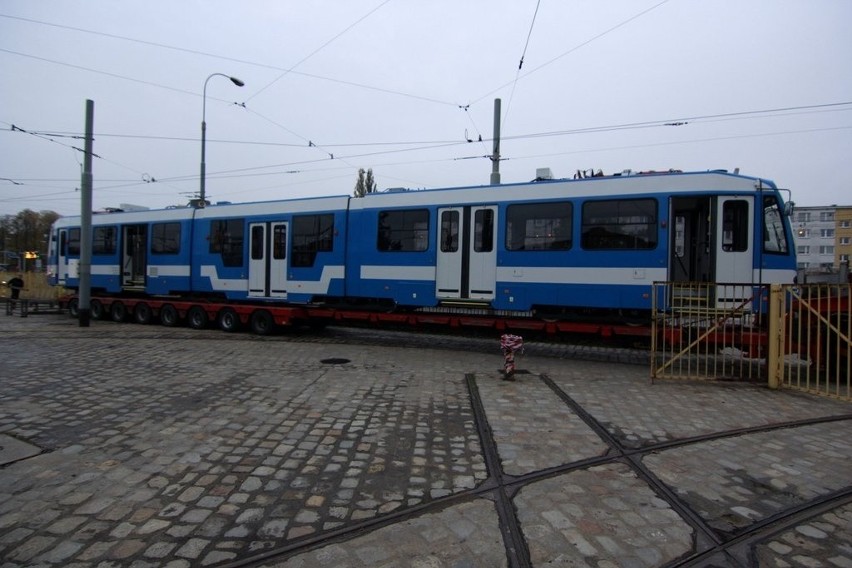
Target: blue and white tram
[(284, 250), (593, 245), (568, 245)]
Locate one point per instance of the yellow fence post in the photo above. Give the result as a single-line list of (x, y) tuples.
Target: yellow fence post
[(775, 354)]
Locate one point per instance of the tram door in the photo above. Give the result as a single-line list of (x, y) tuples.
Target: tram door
[(712, 240), (62, 257), (134, 258), (734, 248), (690, 250), (467, 256), (268, 260)]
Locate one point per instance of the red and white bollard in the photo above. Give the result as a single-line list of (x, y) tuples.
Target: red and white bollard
[(510, 344)]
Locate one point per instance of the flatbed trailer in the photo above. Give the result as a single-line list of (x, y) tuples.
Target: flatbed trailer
[(263, 319)]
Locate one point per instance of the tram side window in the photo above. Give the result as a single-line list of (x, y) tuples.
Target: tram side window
[(73, 242), (483, 230), (165, 238), (279, 242), (311, 234), (226, 239), (620, 224), (103, 240), (449, 231), (774, 235), (257, 243), (735, 226), (403, 231), (539, 226)]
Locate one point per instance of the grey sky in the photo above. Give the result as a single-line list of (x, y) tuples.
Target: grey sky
[(386, 84)]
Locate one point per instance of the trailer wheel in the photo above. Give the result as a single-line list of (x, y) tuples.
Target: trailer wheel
[(197, 317), (142, 313), (74, 308), (229, 320), (118, 312), (169, 315), (261, 322), (96, 310)]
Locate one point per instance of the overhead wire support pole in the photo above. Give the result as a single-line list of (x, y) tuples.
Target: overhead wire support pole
[(495, 157), (84, 297)]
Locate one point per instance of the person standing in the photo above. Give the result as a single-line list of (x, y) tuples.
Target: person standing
[(16, 284)]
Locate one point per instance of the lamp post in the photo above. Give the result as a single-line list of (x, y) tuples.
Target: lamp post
[(202, 201)]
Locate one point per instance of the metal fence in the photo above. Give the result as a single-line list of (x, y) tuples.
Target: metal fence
[(794, 337), (813, 339)]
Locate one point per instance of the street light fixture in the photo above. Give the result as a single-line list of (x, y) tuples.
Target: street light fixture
[(202, 201)]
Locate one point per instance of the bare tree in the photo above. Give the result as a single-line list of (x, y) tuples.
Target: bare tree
[(27, 231)]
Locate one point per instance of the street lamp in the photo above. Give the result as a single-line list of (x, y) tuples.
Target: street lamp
[(202, 196)]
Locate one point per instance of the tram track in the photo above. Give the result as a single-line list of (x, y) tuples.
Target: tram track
[(501, 488)]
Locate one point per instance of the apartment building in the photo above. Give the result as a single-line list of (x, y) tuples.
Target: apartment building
[(823, 237)]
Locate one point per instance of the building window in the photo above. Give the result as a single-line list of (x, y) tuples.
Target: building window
[(165, 238), (312, 234), (826, 250), (844, 240), (403, 230), (803, 249), (826, 216), (803, 216), (226, 239), (826, 233), (623, 224), (844, 224), (844, 258), (103, 240), (539, 226)]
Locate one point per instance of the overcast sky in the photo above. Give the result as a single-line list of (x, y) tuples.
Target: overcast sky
[(400, 85)]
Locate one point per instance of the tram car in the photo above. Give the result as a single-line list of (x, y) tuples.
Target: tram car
[(547, 248)]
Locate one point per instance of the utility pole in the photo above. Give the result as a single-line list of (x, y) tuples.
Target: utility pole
[(495, 157), (84, 296)]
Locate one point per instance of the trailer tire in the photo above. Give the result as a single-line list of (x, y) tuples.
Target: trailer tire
[(261, 322), (96, 310), (229, 321), (142, 313), (118, 312), (197, 317), (169, 315), (74, 308)]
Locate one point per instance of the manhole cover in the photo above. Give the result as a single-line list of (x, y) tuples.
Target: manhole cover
[(334, 361), (12, 450)]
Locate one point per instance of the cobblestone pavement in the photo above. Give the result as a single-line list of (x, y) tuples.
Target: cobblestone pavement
[(174, 447)]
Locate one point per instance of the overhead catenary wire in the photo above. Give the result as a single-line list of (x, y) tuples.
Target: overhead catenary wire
[(520, 65), (428, 144), (186, 92), (415, 146), (320, 48), (573, 49)]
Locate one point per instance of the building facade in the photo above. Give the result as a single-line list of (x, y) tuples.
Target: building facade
[(823, 237)]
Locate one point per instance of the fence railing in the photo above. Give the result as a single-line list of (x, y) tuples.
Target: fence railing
[(813, 339), (789, 336)]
